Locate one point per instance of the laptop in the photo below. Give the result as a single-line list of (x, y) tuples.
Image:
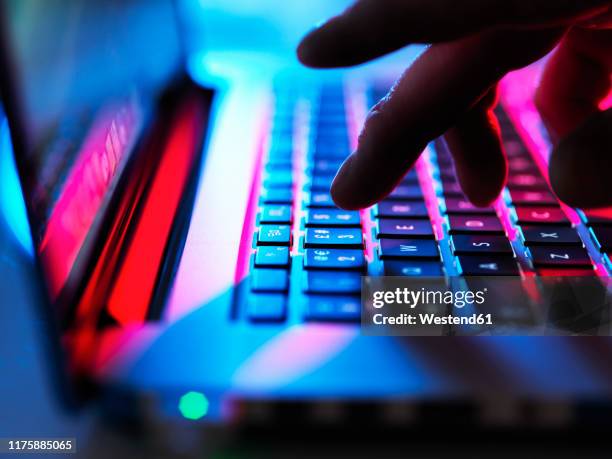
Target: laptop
[(190, 252)]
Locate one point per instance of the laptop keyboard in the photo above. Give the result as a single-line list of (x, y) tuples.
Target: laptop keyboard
[(308, 256)]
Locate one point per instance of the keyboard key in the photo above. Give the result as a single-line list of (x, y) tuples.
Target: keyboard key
[(324, 282), (514, 147), (334, 259), (278, 179), (392, 228), (274, 235), (487, 265), (533, 198), (320, 199), (333, 237), (400, 209), (559, 256), (321, 182), (602, 237), (565, 272), (457, 206), (275, 214), (485, 224), (411, 178), (269, 280), (332, 217), (406, 192), (333, 309), (277, 196), (272, 256), (598, 218), (413, 268), (527, 182), (408, 248), (481, 243), (522, 164), (553, 235), (267, 307), (326, 166), (541, 216), (452, 190)]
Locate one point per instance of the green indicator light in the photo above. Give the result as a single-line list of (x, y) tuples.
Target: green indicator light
[(193, 405)]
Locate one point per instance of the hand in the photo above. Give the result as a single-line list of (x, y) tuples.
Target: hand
[(450, 90)]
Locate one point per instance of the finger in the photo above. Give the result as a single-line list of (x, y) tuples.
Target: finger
[(371, 28), (437, 90), (575, 80), (581, 164), (476, 146)]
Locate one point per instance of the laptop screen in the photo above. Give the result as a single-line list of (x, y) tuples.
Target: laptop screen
[(84, 77)]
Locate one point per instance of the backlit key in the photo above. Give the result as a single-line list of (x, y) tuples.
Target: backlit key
[(267, 307), (401, 209), (408, 248), (551, 235), (533, 198), (320, 199), (333, 237), (413, 268), (527, 182), (275, 214), (332, 217), (272, 256), (541, 216), (320, 308), (269, 280), (334, 259), (406, 192), (458, 206), (481, 243), (485, 224), (487, 265), (323, 282), (274, 235), (559, 256), (392, 228)]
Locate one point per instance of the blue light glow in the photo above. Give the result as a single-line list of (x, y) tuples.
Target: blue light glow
[(12, 205)]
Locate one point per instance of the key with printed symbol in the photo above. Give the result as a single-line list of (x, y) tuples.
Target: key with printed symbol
[(533, 198), (392, 228), (324, 282), (277, 196), (332, 217), (401, 209), (522, 164), (527, 182), (272, 256), (457, 206), (322, 308), (334, 259), (274, 235), (549, 235), (406, 192), (486, 265), (559, 256), (541, 216), (485, 224), (321, 182), (480, 243), (275, 214), (320, 199), (333, 237), (408, 248), (413, 268)]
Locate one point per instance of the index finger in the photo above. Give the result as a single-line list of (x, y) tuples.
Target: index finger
[(371, 28), (441, 86)]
